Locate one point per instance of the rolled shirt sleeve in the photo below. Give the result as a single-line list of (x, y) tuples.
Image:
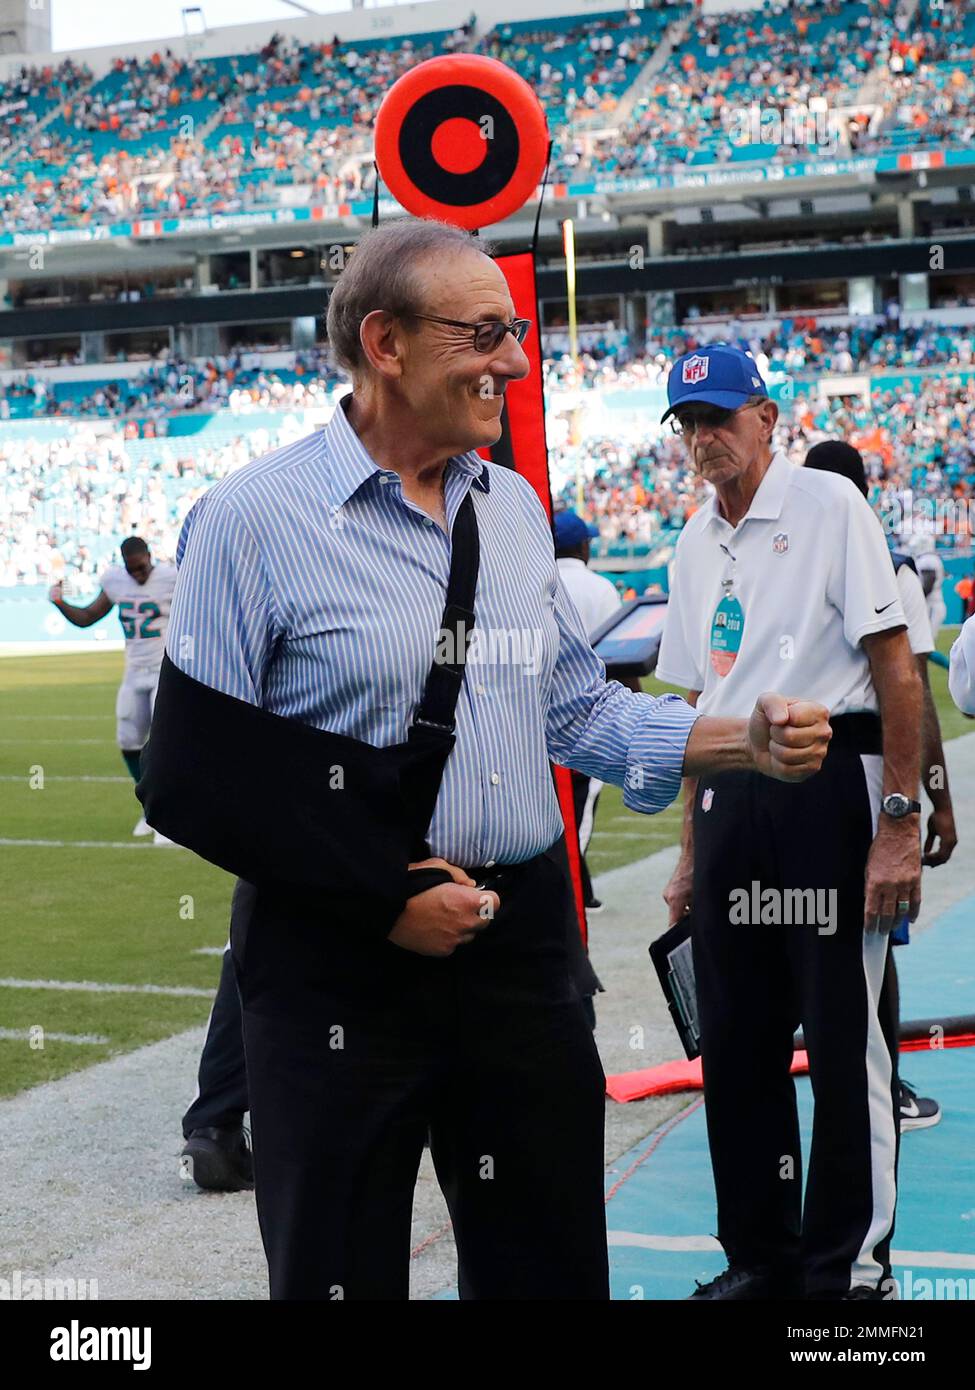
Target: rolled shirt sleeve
[(596, 726)]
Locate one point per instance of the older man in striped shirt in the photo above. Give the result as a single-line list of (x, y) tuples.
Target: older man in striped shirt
[(312, 584)]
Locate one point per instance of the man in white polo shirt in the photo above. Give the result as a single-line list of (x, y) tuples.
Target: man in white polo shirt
[(782, 581), (961, 675)]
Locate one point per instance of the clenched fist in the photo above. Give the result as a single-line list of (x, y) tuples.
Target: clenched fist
[(788, 738)]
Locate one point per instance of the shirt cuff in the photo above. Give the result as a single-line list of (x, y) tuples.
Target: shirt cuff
[(655, 760)]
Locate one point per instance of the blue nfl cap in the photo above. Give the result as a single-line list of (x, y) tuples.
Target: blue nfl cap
[(716, 375), (571, 530)]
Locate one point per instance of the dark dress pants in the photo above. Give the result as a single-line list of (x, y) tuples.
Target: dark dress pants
[(356, 1049), (756, 984)]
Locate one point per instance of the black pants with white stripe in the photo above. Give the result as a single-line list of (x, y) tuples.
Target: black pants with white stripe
[(757, 983), (584, 802), (356, 1049)]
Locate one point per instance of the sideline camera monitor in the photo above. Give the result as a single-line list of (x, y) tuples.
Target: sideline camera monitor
[(629, 640)]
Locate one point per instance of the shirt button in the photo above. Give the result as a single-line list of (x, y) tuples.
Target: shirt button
[(428, 521), (383, 480), (480, 689), (495, 778)]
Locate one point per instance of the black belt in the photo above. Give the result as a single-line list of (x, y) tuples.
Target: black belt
[(860, 733), (489, 876), (501, 875)]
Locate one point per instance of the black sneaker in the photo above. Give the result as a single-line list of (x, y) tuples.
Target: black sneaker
[(218, 1160), (735, 1282), (861, 1292), (917, 1112), (594, 905)]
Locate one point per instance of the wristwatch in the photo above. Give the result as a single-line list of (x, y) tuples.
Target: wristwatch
[(897, 805)]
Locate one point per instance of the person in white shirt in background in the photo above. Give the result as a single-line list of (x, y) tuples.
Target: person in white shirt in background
[(961, 673), (596, 598), (143, 593), (932, 574)]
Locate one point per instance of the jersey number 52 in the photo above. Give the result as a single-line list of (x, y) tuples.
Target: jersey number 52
[(147, 612)]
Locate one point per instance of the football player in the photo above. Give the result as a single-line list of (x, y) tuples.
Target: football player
[(142, 592)]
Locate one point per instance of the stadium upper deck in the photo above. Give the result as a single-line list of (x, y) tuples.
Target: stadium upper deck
[(644, 100)]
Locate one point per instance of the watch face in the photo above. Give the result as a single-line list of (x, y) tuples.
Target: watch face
[(897, 804)]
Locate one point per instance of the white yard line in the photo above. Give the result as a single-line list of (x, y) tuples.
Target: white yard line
[(56, 777), (28, 1035), (95, 987), (143, 842), (32, 742)]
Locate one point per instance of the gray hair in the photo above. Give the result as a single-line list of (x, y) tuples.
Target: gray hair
[(381, 274)]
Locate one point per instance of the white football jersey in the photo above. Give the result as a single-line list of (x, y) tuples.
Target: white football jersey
[(143, 611)]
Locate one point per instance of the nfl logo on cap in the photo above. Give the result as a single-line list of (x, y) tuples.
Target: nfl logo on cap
[(780, 543), (714, 374)]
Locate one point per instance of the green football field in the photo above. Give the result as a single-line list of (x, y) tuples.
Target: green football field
[(86, 904)]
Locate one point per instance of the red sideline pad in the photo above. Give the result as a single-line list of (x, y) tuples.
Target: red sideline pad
[(686, 1076)]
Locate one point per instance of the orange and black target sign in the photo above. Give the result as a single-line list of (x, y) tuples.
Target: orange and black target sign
[(461, 138)]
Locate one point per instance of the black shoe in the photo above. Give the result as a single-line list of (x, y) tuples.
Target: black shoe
[(594, 905), (218, 1160), (860, 1292), (916, 1112), (736, 1282)]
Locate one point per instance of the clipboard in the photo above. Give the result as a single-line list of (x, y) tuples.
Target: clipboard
[(674, 964)]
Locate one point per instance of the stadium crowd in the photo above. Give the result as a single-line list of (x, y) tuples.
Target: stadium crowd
[(917, 440), (63, 503), (173, 135), (695, 99), (237, 382), (798, 347)]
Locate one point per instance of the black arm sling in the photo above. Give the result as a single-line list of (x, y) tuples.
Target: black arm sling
[(324, 822)]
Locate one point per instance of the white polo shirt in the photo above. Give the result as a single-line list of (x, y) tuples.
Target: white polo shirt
[(810, 577), (594, 595), (961, 675)]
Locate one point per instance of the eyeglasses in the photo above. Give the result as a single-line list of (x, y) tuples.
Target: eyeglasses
[(489, 335), (713, 417)]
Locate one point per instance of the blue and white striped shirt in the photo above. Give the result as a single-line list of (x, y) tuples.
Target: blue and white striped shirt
[(310, 585)]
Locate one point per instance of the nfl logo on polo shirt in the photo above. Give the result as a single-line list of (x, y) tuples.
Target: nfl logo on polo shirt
[(707, 798), (780, 543), (694, 369)]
